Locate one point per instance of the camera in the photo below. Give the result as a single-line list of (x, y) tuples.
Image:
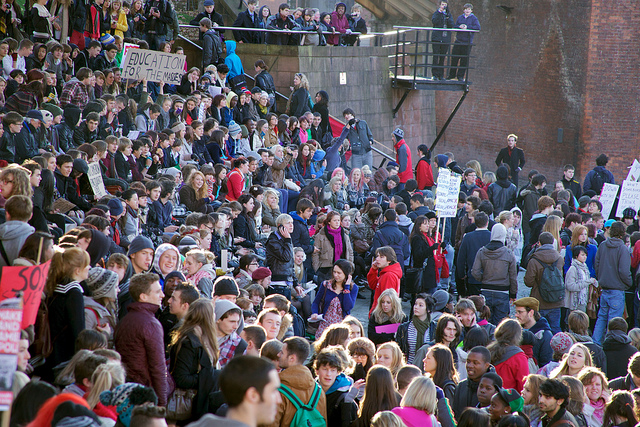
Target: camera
[(142, 18), (352, 122)]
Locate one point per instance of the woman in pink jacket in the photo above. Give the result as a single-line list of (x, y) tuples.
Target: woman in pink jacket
[(418, 404)]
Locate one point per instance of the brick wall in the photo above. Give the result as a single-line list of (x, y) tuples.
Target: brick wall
[(530, 80)]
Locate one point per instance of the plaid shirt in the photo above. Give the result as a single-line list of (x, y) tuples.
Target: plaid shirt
[(74, 92)]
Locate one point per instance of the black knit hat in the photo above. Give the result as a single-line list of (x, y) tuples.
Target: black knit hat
[(225, 285)]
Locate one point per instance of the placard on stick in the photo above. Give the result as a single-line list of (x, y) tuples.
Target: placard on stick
[(634, 171), (28, 281), (10, 325), (608, 198), (95, 179), (629, 197), (153, 65)]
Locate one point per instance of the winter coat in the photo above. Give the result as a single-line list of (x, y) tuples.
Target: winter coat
[(96, 314), (66, 319), (542, 351), (189, 199), (413, 417), (389, 234), (280, 257), (298, 378), (623, 383), (12, 236), (300, 236), (512, 368), (325, 243), (264, 81), (613, 265), (381, 337), (466, 395), (502, 194), (269, 215), (529, 205), (244, 226), (495, 267), (596, 178), (442, 20), (618, 350), (402, 338), (379, 280), (576, 283), (546, 254), (233, 60), (341, 412), (424, 173), (471, 244), (139, 339), (420, 250), (403, 158), (212, 53)]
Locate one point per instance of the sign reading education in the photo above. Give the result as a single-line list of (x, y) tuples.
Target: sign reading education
[(30, 282), (153, 65)]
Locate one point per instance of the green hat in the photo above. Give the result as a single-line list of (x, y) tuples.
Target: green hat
[(52, 108), (513, 399)]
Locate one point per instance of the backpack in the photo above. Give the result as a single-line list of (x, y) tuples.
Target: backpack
[(597, 180), (299, 328), (306, 415), (551, 284)]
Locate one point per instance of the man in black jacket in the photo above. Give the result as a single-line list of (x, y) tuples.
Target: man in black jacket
[(158, 14), (212, 53), (440, 40), (300, 236), (280, 256), (87, 132), (632, 378), (478, 363), (26, 144), (209, 12), (511, 156), (282, 21), (12, 122), (247, 19), (389, 234), (569, 182)]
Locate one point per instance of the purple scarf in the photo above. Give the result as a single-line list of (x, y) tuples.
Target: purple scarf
[(337, 241)]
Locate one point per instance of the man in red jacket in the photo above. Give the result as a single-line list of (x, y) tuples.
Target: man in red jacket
[(403, 157), (139, 336)]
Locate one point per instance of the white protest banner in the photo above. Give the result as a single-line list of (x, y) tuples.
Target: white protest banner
[(442, 187), (608, 198), (153, 65), (629, 197), (127, 46), (634, 171), (447, 193), (95, 179)]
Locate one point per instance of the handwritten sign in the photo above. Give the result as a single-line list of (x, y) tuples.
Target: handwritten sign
[(30, 282), (447, 190), (10, 325), (153, 65), (608, 198), (629, 197), (634, 171), (95, 179), (127, 46)]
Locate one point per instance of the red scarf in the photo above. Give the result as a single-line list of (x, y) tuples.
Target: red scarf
[(116, 233)]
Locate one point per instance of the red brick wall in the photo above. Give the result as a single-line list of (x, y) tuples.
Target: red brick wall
[(529, 80)]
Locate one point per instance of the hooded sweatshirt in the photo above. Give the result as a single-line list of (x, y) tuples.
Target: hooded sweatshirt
[(379, 280), (542, 351), (156, 260), (233, 60), (613, 266), (503, 192), (545, 254), (12, 236), (513, 367), (495, 267), (618, 350)]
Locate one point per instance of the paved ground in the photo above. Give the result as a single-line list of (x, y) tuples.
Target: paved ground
[(361, 309)]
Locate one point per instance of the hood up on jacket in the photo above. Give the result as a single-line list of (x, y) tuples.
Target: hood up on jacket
[(98, 247), (71, 115), (615, 339), (441, 160), (160, 250), (503, 177)]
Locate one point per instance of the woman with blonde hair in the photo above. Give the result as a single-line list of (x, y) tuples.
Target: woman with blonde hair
[(15, 181), (553, 225), (418, 404), (194, 350), (573, 361), (388, 311), (195, 194), (386, 419), (488, 178), (596, 388), (634, 334), (270, 207), (106, 377), (119, 24), (390, 356), (580, 237), (299, 100), (200, 270), (475, 165)]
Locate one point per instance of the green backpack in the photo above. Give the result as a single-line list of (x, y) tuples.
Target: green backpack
[(306, 415)]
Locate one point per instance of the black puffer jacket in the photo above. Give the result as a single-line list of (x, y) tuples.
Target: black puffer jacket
[(502, 193), (280, 257)]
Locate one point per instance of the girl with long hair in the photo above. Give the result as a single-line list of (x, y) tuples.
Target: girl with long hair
[(580, 237), (270, 208), (305, 157), (194, 194), (299, 100), (577, 398), (411, 335), (439, 364), (620, 411), (553, 225), (200, 270), (119, 24), (194, 348), (573, 361), (422, 253), (190, 112), (335, 297), (379, 395), (390, 356), (356, 189), (509, 360), (388, 311), (107, 376), (244, 226), (530, 393), (332, 244), (65, 301)]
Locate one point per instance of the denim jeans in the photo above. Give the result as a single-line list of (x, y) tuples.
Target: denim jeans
[(611, 305), (553, 317), (155, 41), (498, 302), (359, 160)]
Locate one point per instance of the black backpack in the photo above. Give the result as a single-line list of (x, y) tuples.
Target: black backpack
[(551, 284), (598, 180)]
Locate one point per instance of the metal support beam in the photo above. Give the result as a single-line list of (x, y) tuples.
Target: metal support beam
[(453, 113), (395, 110)]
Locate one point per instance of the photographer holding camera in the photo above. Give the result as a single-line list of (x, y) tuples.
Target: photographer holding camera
[(158, 15), (360, 137)]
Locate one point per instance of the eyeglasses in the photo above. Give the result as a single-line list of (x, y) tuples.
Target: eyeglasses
[(254, 263), (7, 181)]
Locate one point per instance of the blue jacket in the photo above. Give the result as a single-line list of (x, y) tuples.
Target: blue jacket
[(233, 60), (325, 295), (471, 244), (332, 155), (389, 234), (542, 348), (591, 256), (163, 212), (599, 173), (472, 23)]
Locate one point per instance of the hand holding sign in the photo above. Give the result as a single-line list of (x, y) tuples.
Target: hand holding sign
[(28, 281)]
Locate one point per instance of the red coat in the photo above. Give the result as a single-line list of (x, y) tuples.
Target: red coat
[(235, 184), (424, 175), (379, 280), (513, 370)]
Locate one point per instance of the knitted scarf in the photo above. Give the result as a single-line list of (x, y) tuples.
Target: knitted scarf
[(599, 406), (199, 275), (422, 326), (337, 241)]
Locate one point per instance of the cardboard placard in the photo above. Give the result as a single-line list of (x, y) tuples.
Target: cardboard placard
[(153, 65), (629, 197), (95, 179), (10, 326), (634, 171), (30, 282), (608, 198), (62, 205)]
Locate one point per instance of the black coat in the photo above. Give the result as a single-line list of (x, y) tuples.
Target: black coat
[(325, 125), (279, 257), (299, 102), (618, 350), (502, 194), (421, 251), (66, 319), (244, 226), (340, 413), (300, 237), (189, 199), (514, 161), (244, 21), (264, 81)]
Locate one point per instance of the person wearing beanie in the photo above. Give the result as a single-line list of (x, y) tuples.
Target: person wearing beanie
[(502, 193), (69, 414), (225, 288), (100, 305), (505, 402), (140, 253), (262, 276), (127, 396), (560, 344), (403, 157), (229, 325), (547, 254), (495, 267)]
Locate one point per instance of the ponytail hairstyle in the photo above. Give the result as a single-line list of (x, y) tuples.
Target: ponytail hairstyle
[(63, 265), (201, 256), (622, 405), (106, 377), (481, 306)]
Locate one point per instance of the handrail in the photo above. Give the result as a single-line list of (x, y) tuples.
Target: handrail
[(266, 30), (459, 30)]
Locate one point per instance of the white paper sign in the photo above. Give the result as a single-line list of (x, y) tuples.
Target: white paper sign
[(608, 198), (127, 46), (447, 190), (95, 179), (629, 197), (634, 171), (153, 65)]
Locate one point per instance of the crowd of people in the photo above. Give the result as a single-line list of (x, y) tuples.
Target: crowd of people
[(218, 276)]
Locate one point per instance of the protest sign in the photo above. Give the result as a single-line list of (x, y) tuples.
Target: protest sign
[(153, 65), (629, 197), (127, 46), (10, 325), (634, 171), (95, 179), (447, 193), (29, 281), (608, 198)]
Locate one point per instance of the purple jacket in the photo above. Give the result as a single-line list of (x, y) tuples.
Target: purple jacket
[(472, 23)]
